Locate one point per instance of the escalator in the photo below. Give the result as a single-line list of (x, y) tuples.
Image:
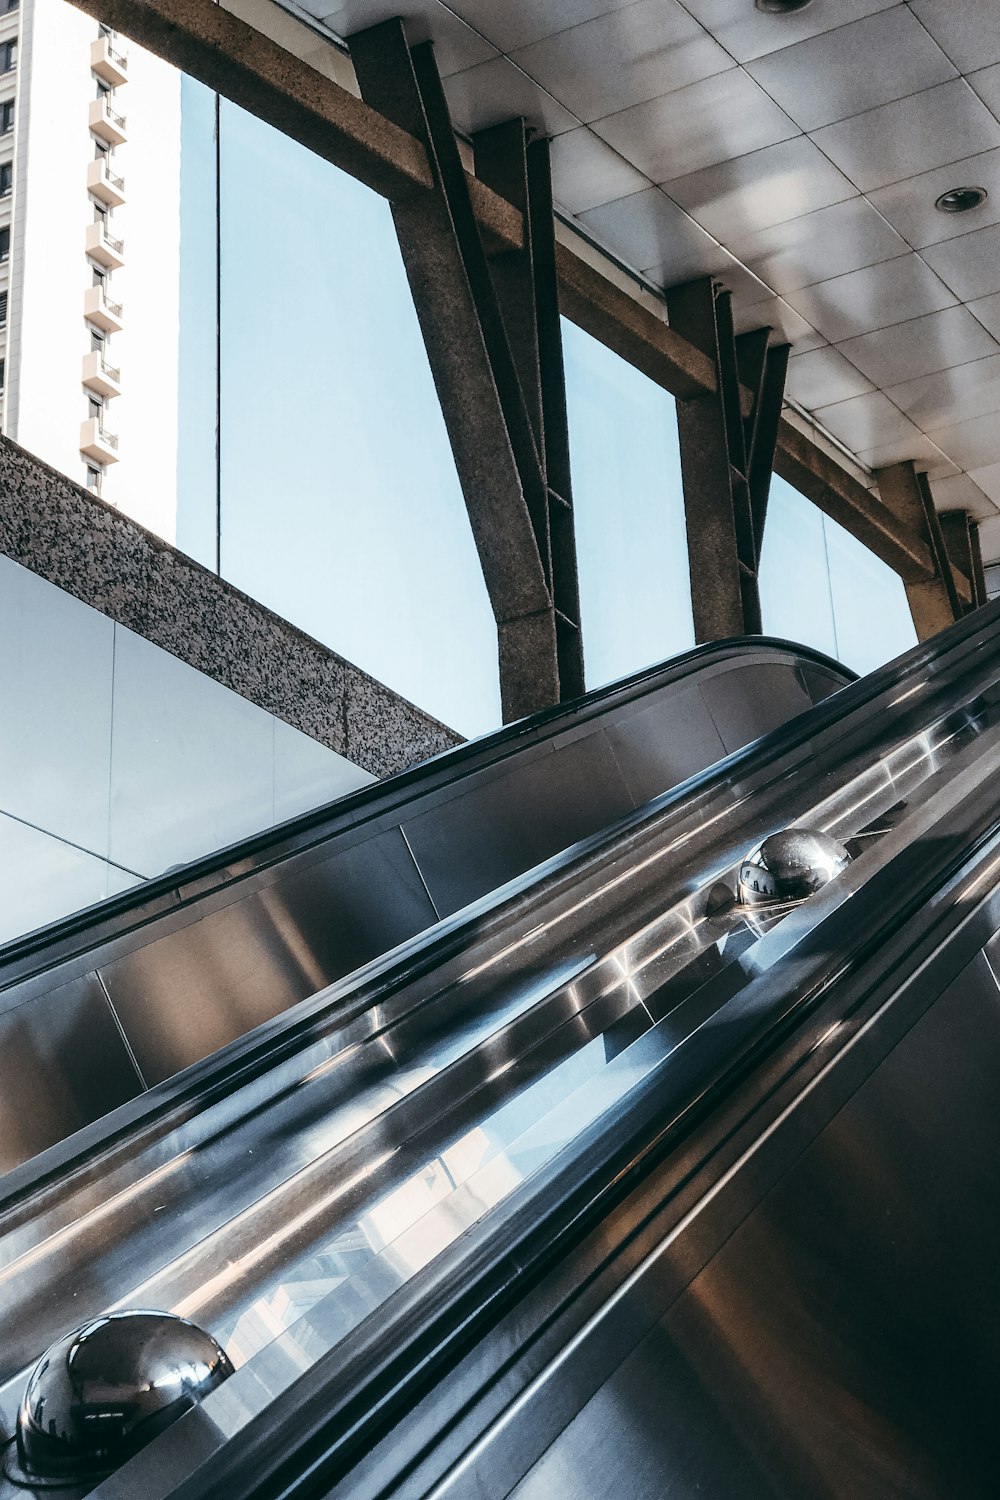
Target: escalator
[(462, 1219), (111, 1002)]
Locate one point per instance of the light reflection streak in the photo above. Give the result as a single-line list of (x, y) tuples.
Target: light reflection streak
[(93, 1216)]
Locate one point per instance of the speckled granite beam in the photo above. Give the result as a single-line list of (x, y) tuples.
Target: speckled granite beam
[(92, 551)]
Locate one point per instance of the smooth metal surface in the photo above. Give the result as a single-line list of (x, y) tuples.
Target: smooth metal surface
[(106, 1390), (395, 1131), (63, 1063), (200, 958), (790, 865)]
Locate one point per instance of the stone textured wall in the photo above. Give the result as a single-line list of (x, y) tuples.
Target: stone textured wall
[(84, 546)]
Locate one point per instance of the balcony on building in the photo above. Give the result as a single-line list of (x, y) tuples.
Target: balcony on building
[(104, 183), (101, 311), (108, 61), (99, 376), (97, 443), (103, 247), (106, 122)]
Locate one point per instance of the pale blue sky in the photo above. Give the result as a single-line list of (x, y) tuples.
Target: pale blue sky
[(341, 509)]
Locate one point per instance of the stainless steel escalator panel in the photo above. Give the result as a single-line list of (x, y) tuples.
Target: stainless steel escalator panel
[(845, 1340), (651, 760), (772, 697), (190, 993), (71, 1040), (520, 817)]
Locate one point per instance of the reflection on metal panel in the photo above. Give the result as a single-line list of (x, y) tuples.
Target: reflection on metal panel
[(206, 984), (845, 1341), (819, 683), (664, 742), (473, 844), (62, 1064), (762, 697)]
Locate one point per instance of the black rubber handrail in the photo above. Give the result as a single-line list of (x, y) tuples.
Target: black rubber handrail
[(152, 897)]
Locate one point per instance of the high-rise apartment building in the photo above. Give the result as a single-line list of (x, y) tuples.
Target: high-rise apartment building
[(90, 253)]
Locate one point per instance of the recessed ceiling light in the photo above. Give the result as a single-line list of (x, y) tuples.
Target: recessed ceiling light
[(960, 200), (781, 7)]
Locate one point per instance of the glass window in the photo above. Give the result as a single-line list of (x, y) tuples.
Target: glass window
[(821, 586), (635, 590), (8, 57), (7, 117), (6, 179), (795, 599), (5, 243), (340, 504), (870, 608)]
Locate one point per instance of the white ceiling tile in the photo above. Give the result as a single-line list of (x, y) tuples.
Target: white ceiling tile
[(830, 242), (747, 289), (697, 126), (865, 422), (950, 396), (987, 84), (755, 192), (647, 230), (843, 72), (774, 312), (909, 205), (988, 480), (823, 376), (912, 135), (496, 91), (970, 265), (989, 539), (920, 346), (968, 30), (748, 33), (517, 23), (624, 58), (925, 454), (874, 297), (972, 445), (987, 311), (456, 45), (586, 172), (961, 492)]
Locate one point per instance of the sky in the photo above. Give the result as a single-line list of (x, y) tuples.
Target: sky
[(340, 506)]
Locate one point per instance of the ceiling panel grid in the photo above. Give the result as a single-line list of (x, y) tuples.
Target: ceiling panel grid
[(796, 157)]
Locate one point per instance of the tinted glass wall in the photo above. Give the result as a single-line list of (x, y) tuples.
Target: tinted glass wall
[(821, 586), (635, 593), (332, 496)]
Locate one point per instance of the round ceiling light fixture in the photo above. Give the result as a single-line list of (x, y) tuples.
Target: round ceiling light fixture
[(959, 200), (781, 7)]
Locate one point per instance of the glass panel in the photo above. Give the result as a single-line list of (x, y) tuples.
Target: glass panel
[(43, 878), (197, 392), (635, 592), (872, 615), (795, 597), (341, 508), (55, 685)]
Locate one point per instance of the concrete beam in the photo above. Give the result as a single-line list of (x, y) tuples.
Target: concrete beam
[(90, 550), (819, 477)]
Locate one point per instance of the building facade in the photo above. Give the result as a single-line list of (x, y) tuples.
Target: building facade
[(90, 239)]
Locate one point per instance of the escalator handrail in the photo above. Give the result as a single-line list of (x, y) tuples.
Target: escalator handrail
[(882, 922), (199, 878), (250, 1056)]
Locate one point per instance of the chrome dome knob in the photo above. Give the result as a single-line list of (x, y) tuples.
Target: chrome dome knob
[(789, 866), (106, 1390)]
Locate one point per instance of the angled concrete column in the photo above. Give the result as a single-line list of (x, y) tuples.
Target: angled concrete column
[(488, 419), (726, 458), (936, 600)]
